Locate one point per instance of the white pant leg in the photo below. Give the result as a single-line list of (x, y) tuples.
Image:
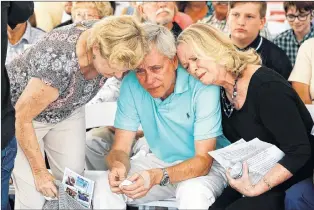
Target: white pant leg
[(64, 144), (26, 195), (156, 193), (98, 144), (201, 192), (105, 199)]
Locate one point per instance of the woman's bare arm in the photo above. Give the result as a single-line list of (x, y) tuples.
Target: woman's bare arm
[(303, 91), (35, 98)]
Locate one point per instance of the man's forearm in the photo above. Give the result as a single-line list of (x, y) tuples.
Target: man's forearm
[(120, 156), (194, 167)]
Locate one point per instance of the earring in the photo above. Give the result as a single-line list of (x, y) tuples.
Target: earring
[(94, 57)]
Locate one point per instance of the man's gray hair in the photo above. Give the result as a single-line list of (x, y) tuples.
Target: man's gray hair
[(162, 38)]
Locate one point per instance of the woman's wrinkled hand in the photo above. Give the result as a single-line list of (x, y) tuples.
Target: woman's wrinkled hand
[(243, 185), (44, 182)]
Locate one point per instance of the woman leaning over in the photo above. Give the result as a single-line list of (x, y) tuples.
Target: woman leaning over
[(256, 102), (50, 83)]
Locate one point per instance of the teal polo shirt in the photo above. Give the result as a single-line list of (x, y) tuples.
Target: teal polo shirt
[(171, 127)]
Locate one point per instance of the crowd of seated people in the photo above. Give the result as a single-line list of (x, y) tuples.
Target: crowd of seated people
[(187, 77)]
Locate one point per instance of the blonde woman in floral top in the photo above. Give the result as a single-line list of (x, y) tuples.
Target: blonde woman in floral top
[(50, 83)]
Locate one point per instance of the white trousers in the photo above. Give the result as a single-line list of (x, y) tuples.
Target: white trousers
[(196, 193), (64, 144), (98, 145)]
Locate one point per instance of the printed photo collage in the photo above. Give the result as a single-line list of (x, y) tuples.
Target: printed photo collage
[(78, 187)]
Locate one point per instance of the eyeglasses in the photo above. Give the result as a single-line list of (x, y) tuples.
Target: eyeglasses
[(301, 17), (86, 16)]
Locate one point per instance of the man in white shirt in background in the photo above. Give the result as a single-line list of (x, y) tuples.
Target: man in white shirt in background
[(67, 11), (21, 37)]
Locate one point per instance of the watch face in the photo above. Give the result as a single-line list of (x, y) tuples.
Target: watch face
[(165, 178)]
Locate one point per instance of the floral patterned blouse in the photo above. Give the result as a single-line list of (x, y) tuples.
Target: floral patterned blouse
[(53, 59)]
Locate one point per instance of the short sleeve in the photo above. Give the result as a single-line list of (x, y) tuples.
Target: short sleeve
[(207, 113), (302, 71), (54, 67), (279, 113), (127, 117)]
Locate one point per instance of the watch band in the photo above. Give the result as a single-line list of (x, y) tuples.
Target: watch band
[(165, 180)]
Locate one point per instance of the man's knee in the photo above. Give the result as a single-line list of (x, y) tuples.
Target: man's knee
[(102, 182), (192, 187), (103, 197), (193, 193)]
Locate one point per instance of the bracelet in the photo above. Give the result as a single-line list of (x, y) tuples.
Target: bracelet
[(267, 183)]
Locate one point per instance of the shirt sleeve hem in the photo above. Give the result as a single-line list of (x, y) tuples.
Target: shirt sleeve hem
[(299, 79), (126, 127), (208, 136)]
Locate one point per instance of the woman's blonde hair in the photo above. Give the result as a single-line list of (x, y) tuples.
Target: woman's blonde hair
[(207, 41), (121, 40), (104, 8)]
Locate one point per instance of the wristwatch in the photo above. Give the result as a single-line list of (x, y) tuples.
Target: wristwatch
[(165, 180)]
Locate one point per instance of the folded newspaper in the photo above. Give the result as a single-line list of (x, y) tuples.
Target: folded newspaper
[(260, 156), (78, 187)]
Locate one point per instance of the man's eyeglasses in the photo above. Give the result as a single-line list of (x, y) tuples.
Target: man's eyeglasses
[(301, 17)]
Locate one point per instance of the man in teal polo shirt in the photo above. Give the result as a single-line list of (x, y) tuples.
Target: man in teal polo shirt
[(181, 119)]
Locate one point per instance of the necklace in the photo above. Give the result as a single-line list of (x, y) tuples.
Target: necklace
[(228, 106)]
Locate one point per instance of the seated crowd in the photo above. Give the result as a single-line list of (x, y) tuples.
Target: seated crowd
[(187, 77)]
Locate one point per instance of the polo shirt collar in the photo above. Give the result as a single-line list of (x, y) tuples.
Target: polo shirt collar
[(255, 44), (27, 34), (182, 80)]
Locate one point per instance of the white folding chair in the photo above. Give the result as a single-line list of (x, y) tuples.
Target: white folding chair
[(101, 114)]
